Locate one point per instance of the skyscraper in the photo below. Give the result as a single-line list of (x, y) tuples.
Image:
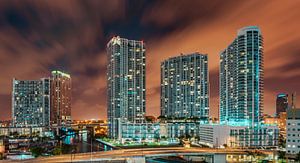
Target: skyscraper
[(281, 103), (60, 98), (126, 82), (241, 78), (31, 103), (185, 86)]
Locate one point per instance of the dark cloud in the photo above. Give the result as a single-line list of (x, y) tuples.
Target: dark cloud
[(71, 35), (5, 106)]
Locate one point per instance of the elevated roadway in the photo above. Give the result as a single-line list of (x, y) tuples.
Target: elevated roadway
[(122, 154)]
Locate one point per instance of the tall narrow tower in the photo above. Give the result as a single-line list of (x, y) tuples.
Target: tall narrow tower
[(126, 82), (241, 78), (60, 98)]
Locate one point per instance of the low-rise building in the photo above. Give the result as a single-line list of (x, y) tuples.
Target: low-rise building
[(217, 135), (138, 132), (279, 120), (214, 135), (24, 131), (293, 131), (182, 129)]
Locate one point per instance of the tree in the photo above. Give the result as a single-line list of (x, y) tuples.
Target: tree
[(298, 157), (57, 151), (281, 141), (225, 145), (188, 136), (66, 148), (37, 151), (281, 156)]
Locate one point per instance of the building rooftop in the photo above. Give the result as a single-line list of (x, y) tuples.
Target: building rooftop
[(184, 56), (293, 113), (117, 40), (55, 72), (243, 30)]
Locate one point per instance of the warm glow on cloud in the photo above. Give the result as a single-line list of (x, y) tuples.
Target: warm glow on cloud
[(39, 36)]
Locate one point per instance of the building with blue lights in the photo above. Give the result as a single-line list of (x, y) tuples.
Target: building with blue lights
[(126, 83), (185, 86), (31, 103), (241, 79), (138, 132)]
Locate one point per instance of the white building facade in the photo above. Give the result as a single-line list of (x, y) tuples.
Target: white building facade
[(215, 135), (293, 131)]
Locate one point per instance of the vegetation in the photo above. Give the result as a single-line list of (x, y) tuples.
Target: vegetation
[(148, 145), (298, 157), (149, 119), (256, 155), (57, 150), (281, 156), (63, 149), (281, 141), (37, 151)]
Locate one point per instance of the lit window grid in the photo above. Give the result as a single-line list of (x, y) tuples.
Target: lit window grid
[(126, 82), (241, 79), (184, 86), (31, 103)]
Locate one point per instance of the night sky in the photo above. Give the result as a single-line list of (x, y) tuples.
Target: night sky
[(39, 36)]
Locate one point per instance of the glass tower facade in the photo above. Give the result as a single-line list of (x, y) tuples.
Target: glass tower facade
[(31, 103), (241, 79), (185, 86), (125, 82), (61, 85)]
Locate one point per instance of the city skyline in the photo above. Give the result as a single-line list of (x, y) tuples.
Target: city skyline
[(81, 52)]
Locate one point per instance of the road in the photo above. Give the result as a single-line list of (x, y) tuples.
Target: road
[(125, 153)]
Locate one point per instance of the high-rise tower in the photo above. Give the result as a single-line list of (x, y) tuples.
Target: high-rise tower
[(185, 86), (31, 103), (126, 82), (60, 98), (241, 78)]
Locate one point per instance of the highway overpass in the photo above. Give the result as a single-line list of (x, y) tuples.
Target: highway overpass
[(140, 154)]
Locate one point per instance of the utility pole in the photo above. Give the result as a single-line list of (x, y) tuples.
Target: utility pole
[(91, 146)]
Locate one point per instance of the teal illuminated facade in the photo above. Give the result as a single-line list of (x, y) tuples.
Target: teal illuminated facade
[(185, 86), (241, 79), (125, 83)]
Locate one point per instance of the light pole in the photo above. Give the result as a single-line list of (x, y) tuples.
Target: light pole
[(91, 139), (91, 146)]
